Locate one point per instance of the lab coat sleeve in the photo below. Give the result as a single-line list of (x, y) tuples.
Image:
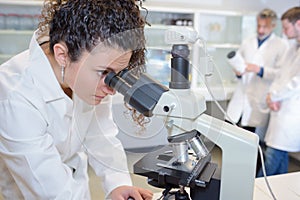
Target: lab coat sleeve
[(280, 91), (269, 72), (287, 82), (274, 68), (106, 154), (30, 155)]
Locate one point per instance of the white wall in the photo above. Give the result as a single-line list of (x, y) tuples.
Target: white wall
[(232, 5)]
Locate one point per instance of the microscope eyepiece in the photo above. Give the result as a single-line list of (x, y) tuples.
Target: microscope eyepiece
[(114, 81), (109, 79), (142, 94)]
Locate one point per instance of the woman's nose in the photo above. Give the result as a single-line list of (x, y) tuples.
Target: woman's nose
[(109, 90), (105, 88)]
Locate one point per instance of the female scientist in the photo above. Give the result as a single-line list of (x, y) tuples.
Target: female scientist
[(54, 106)]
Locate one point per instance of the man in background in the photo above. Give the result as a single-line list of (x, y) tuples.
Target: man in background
[(262, 54), (283, 133)]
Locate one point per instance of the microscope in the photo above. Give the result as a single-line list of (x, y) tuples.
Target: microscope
[(186, 160)]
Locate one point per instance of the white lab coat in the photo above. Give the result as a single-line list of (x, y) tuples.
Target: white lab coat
[(284, 130), (47, 140), (249, 98)]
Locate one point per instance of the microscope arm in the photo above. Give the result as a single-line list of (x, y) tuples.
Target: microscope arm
[(239, 147), (239, 156)]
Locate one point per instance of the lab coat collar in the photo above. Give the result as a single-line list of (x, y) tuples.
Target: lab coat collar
[(42, 73), (261, 41), (265, 43)]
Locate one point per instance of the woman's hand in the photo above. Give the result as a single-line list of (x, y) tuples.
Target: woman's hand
[(136, 193)]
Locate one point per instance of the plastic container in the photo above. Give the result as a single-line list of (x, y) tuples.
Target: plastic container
[(236, 60)]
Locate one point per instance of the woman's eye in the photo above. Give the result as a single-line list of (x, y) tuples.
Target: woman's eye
[(102, 72)]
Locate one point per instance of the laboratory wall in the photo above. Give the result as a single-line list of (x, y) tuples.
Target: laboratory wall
[(234, 5)]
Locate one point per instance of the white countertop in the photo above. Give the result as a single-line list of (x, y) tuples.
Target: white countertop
[(284, 187)]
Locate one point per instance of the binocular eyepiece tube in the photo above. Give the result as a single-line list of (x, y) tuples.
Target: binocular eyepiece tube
[(141, 93)]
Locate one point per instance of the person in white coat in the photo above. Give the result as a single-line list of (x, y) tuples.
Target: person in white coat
[(55, 109), (261, 54), (283, 133)]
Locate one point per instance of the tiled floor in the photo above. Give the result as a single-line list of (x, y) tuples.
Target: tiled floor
[(294, 164)]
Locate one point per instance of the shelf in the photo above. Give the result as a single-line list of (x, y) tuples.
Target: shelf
[(167, 8), (222, 46), (186, 8), (162, 47), (20, 2), (16, 32), (159, 26)]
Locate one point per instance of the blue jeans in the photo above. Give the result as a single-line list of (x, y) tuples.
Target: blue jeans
[(276, 162)]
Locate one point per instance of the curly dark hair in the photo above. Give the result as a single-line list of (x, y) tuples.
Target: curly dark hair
[(83, 24)]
